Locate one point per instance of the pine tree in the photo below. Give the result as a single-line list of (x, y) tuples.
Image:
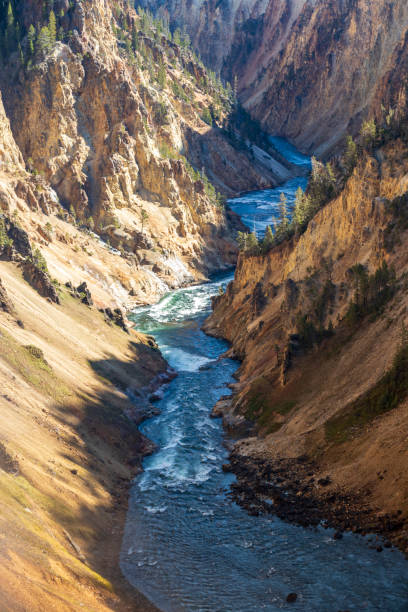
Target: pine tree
[(283, 217), (268, 240), (10, 34), (31, 40), (43, 42), (161, 76), (10, 17), (235, 89), (322, 184), (135, 40), (129, 50), (143, 217), (299, 212), (350, 156), (21, 54), (186, 40), (252, 243), (368, 133), (177, 37), (52, 27), (242, 241), (331, 179)]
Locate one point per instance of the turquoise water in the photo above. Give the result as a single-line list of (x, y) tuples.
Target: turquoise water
[(290, 152), (186, 545), (259, 208)]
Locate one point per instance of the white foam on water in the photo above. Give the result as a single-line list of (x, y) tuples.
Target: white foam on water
[(181, 305), (155, 509), (206, 512), (174, 440), (144, 482), (176, 474), (162, 461), (185, 361)]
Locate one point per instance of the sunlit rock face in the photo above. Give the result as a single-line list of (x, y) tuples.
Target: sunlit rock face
[(211, 24), (90, 121), (310, 70)]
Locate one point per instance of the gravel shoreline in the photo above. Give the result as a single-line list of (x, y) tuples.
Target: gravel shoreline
[(289, 489)]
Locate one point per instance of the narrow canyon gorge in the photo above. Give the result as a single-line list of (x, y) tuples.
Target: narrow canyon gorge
[(203, 305)]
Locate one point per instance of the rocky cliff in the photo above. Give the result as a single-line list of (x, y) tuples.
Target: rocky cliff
[(310, 70), (318, 323), (107, 116), (100, 209), (212, 26)]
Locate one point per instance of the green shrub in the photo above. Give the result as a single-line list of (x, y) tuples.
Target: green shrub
[(383, 397), (39, 261), (371, 291)]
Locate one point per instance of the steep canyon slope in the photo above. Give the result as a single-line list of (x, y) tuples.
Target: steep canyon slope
[(100, 210), (319, 323), (310, 70)]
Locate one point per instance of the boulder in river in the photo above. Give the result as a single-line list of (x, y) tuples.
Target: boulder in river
[(291, 598)]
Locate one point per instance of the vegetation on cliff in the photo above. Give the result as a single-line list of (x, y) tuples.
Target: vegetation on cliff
[(315, 314), (386, 395), (328, 180)]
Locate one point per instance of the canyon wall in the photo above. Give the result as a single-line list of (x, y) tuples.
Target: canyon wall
[(312, 360), (309, 70), (321, 82), (110, 118)]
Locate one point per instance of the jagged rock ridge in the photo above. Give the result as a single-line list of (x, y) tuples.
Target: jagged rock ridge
[(310, 70), (105, 120)]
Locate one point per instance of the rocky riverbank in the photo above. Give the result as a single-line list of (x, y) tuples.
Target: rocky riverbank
[(293, 490)]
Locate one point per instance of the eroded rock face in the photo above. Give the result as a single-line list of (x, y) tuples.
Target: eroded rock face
[(40, 281), (310, 70), (294, 389), (18, 237), (93, 124)]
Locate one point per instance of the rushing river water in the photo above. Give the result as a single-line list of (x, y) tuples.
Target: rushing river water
[(187, 546)]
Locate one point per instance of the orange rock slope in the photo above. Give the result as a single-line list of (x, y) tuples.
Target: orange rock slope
[(306, 361)]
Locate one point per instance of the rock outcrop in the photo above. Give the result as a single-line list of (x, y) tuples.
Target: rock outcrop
[(317, 322), (310, 70), (109, 122), (40, 281)]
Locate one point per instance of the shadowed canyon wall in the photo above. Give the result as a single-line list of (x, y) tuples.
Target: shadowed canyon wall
[(310, 70)]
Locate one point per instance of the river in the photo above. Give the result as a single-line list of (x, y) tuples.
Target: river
[(186, 545)]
